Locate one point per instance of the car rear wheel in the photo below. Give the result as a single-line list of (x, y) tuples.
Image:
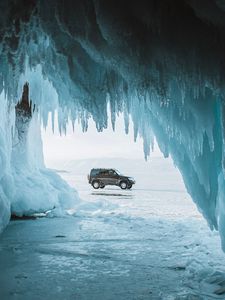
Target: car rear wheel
[(123, 185), (96, 184)]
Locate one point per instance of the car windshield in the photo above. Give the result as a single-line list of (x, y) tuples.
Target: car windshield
[(118, 172)]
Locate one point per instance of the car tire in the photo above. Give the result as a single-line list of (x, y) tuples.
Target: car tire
[(129, 186), (102, 187), (123, 185), (96, 184)]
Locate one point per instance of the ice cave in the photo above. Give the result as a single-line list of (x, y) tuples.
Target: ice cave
[(158, 62)]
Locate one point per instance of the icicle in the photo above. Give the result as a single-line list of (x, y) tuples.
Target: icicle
[(53, 121)]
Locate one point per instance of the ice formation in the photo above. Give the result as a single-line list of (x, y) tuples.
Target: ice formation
[(26, 186), (160, 62)]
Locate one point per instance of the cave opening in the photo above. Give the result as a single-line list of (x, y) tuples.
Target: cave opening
[(157, 181)]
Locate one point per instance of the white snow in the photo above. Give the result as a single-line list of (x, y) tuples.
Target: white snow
[(146, 243)]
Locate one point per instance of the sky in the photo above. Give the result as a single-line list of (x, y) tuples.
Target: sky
[(92, 144)]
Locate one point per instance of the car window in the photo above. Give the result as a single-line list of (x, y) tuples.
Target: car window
[(112, 172), (118, 173), (97, 172), (94, 172), (104, 173)]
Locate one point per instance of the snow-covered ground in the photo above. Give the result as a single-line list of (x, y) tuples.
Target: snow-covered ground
[(146, 243)]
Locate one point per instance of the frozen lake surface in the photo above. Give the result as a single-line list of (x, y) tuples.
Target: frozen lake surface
[(146, 243)]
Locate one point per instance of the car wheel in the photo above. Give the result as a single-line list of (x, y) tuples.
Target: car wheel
[(102, 187), (129, 186), (123, 185), (96, 184)]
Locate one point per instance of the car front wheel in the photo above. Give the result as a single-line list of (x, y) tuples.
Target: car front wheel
[(96, 184), (129, 186), (123, 185)]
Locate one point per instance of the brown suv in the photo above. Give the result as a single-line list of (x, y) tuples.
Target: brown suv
[(99, 178)]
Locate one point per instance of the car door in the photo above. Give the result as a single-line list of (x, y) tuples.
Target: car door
[(103, 176), (113, 177)]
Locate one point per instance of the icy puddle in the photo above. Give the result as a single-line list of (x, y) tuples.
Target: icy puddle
[(147, 243)]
